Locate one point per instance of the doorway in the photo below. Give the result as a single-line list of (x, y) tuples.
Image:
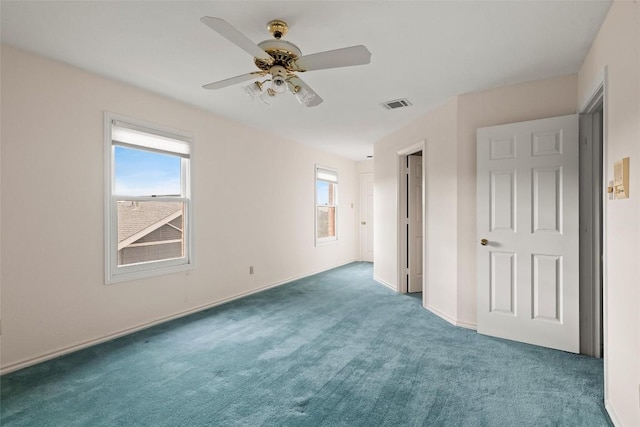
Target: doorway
[(500, 297), (591, 226), (411, 219)]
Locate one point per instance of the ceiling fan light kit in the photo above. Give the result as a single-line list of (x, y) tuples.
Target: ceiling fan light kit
[(281, 60), (304, 96), (254, 91), (279, 84)]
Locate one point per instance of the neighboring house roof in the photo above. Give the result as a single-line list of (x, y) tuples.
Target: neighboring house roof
[(137, 219)]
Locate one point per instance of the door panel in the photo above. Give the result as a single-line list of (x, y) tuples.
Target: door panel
[(503, 202), (527, 201), (366, 217), (547, 186), (503, 288), (547, 287)]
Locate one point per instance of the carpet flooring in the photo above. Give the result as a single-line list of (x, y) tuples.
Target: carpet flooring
[(333, 349)]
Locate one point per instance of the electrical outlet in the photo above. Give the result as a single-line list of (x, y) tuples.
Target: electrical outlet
[(251, 269)]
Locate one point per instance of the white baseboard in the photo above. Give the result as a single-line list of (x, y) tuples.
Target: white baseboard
[(453, 321), (440, 314), (85, 344), (382, 282), (615, 419), (467, 325), (437, 312)]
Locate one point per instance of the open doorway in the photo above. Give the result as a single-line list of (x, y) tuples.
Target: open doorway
[(591, 226), (411, 221)]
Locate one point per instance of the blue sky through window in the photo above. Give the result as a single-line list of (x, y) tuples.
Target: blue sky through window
[(322, 191), (145, 173)]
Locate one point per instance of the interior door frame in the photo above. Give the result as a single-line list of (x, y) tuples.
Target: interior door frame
[(592, 201), (401, 202), (599, 90)]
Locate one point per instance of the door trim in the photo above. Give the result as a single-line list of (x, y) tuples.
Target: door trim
[(401, 206), (601, 83), (591, 222)]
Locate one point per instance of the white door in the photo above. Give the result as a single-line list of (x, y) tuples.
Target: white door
[(527, 202), (366, 217), (414, 232)]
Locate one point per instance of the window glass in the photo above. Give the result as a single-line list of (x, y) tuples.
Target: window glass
[(326, 224), (148, 227), (325, 192), (326, 204), (145, 173)]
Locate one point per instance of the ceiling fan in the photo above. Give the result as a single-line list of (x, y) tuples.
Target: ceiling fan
[(280, 60)]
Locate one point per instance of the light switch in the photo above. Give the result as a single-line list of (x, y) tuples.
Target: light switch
[(621, 179), (610, 190)]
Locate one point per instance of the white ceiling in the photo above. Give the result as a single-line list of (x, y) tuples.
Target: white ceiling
[(426, 51)]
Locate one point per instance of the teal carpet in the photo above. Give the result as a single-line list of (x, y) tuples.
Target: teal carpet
[(334, 349)]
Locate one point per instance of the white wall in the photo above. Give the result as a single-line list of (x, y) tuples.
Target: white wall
[(617, 47), (438, 129), (365, 166), (254, 205)]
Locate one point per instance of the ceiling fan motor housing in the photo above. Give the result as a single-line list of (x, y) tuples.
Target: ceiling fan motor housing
[(283, 53)]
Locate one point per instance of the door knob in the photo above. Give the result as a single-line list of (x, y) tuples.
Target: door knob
[(363, 222), (484, 242)]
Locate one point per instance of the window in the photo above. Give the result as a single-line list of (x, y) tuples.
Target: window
[(326, 204), (148, 227)]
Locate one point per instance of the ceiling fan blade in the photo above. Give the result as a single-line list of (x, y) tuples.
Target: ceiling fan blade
[(229, 32), (345, 57), (233, 80), (307, 96)]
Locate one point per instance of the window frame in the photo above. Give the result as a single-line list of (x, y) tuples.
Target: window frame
[(330, 239), (113, 272)]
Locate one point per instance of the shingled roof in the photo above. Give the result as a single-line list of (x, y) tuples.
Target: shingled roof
[(135, 218)]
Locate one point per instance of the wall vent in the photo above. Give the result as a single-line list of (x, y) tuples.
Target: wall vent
[(396, 103)]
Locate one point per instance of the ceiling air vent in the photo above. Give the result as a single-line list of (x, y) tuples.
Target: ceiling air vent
[(396, 103)]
